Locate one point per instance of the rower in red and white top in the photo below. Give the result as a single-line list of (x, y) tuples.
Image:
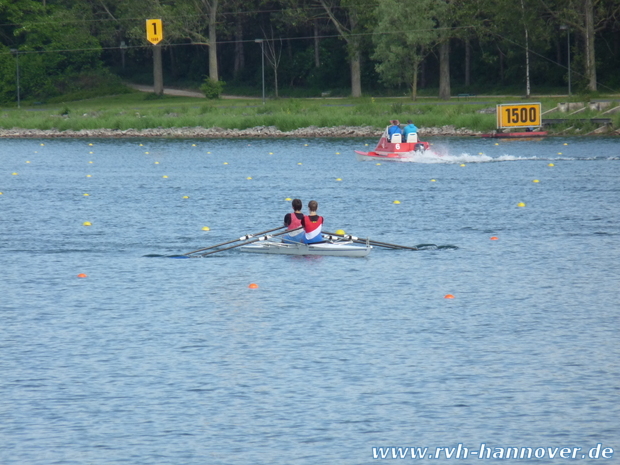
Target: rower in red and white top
[(313, 224)]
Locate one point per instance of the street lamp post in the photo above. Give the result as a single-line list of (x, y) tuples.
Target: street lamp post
[(15, 52), (564, 27), (262, 52)]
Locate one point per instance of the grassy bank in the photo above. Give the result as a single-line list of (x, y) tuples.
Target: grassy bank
[(141, 111)]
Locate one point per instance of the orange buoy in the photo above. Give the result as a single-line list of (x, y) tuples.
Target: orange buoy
[(253, 286), (82, 275), (448, 296), (494, 238)]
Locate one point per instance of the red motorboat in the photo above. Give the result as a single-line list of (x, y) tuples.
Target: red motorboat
[(395, 149)]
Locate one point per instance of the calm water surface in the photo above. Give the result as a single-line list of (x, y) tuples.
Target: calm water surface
[(153, 360)]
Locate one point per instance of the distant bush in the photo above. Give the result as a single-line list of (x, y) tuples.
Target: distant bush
[(212, 89)]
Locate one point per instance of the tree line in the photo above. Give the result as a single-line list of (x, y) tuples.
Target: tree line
[(309, 47)]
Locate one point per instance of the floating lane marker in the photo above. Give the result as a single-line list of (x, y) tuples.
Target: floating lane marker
[(397, 202), (535, 180), (249, 177), (89, 176), (494, 238), (520, 204), (253, 286), (186, 197), (157, 163), (206, 228), (14, 174), (164, 176), (82, 275), (86, 223), (378, 164), (90, 144), (299, 163), (91, 153), (27, 161), (337, 153), (226, 163), (340, 232), (448, 296), (432, 180), (463, 164), (338, 179), (86, 195), (288, 199), (193, 145), (550, 164)]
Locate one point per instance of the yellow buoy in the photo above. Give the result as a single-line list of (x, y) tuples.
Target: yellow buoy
[(90, 162), (208, 152), (186, 197), (193, 145), (226, 163), (520, 204), (206, 228), (496, 143), (337, 153), (378, 164), (565, 143), (288, 199), (432, 180), (157, 163), (90, 144), (559, 153), (462, 164), (164, 176), (14, 174), (338, 179), (86, 195), (550, 164), (305, 145), (270, 153), (340, 232), (535, 180), (86, 223), (299, 163), (42, 145), (91, 153), (89, 176), (27, 161), (397, 201), (249, 177)]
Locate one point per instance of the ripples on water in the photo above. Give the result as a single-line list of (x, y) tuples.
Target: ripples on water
[(153, 360)]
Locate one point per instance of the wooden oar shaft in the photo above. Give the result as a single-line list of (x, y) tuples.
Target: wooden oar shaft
[(372, 242), (243, 238), (262, 238)]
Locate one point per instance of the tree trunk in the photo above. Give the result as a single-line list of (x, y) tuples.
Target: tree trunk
[(414, 85), (239, 51), (213, 73), (467, 63), (317, 57), (158, 75), (589, 45), (356, 74), (444, 70)]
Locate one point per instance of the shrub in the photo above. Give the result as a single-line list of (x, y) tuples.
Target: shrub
[(212, 89)]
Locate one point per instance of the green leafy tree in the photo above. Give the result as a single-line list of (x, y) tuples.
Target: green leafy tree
[(404, 34)]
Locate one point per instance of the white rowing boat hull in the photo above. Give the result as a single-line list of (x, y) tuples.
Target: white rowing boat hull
[(343, 249)]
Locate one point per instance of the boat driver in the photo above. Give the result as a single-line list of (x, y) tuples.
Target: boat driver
[(313, 224), (394, 129), (292, 221)]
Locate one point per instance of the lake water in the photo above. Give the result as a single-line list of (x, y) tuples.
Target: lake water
[(154, 360)]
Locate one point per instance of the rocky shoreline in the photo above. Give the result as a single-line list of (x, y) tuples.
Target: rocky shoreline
[(198, 132)]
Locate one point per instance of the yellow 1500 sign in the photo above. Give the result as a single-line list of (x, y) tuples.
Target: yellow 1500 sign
[(514, 115)]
